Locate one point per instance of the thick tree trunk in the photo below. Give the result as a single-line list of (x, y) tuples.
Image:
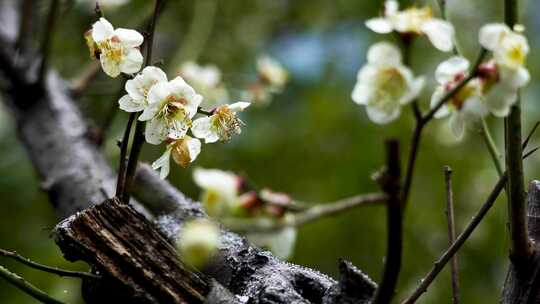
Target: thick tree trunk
[(523, 286)]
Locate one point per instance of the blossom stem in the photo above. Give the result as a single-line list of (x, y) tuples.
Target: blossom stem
[(47, 38), (492, 147), (26, 287), (123, 162), (520, 248), (138, 137), (318, 211), (61, 272)]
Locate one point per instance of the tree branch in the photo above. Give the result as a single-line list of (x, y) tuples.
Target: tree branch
[(48, 38), (28, 288), (61, 272), (451, 232), (521, 247), (390, 183)]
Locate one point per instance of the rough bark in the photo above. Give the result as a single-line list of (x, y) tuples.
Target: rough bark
[(76, 176), (524, 286)]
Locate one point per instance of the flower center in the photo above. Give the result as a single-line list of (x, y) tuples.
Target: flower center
[(225, 123), (411, 19), (112, 49), (391, 88)]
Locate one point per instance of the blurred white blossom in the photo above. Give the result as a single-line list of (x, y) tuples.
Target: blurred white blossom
[(280, 242), (220, 190), (117, 50), (198, 242), (467, 106), (414, 21), (508, 73), (221, 125), (206, 80), (384, 84), (171, 106)]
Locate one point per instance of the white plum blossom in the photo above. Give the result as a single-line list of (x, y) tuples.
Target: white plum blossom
[(221, 125), (171, 106), (206, 80), (118, 50), (384, 84), (510, 50), (415, 21), (103, 3), (272, 73), (198, 242), (467, 106), (183, 151), (220, 190), (137, 89)]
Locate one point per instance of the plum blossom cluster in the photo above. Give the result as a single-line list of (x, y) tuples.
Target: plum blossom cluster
[(272, 78), (384, 84), (227, 195), (169, 107)]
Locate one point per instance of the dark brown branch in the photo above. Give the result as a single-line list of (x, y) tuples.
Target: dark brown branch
[(123, 159), (520, 245), (26, 287), (390, 182), (451, 232), (61, 272)]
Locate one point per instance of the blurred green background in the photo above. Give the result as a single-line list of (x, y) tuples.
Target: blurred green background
[(312, 141)]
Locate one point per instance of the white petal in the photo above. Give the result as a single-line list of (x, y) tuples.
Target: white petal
[(435, 99), (102, 30), (133, 87), (152, 74), (156, 131), (384, 54), (194, 148), (159, 92), (499, 99), (128, 104), (415, 88), (202, 128), (382, 117), (474, 108), (163, 163), (129, 38), (361, 93), (110, 67), (515, 78), (280, 243), (457, 124), (491, 34), (447, 70), (192, 106), (239, 106), (225, 183), (178, 127), (440, 33), (379, 25), (132, 61), (391, 7), (180, 88)]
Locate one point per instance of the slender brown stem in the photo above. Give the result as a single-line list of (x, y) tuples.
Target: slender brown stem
[(25, 25), (394, 245), (138, 137), (318, 211), (451, 232), (26, 287), (48, 36), (520, 245), (123, 162), (61, 272)]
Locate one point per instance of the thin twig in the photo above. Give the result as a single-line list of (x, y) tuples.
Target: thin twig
[(449, 253), (531, 133), (318, 211), (451, 232), (123, 161), (520, 245), (54, 270), (394, 245), (25, 25), (138, 137), (48, 36), (82, 82), (26, 287), (492, 148)]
